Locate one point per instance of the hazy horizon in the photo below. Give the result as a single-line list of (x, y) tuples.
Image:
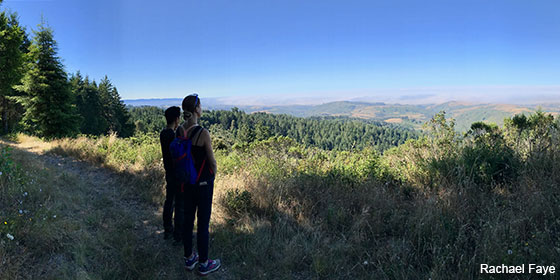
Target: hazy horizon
[(311, 51), (472, 95)]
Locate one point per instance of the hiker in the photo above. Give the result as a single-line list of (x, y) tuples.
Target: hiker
[(173, 197), (198, 197)]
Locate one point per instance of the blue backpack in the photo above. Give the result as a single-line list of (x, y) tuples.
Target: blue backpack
[(183, 162)]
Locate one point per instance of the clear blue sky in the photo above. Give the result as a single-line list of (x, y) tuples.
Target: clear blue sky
[(158, 49)]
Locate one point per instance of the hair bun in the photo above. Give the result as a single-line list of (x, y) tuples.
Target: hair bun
[(188, 114)]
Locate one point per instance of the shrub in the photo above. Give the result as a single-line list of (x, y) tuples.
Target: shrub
[(486, 157), (237, 202)]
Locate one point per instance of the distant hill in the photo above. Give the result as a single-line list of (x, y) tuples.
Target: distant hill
[(407, 115), (209, 103), (164, 102), (415, 115)]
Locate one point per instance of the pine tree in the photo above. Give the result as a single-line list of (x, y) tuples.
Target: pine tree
[(245, 134), (107, 104), (49, 110), (114, 110), (12, 37), (77, 87), (94, 121), (122, 115)]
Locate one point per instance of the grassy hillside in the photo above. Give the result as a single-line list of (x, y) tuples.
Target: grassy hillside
[(435, 207), (412, 116), (415, 115)]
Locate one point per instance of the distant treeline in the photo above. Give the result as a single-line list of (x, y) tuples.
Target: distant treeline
[(329, 133), (147, 119), (38, 97)]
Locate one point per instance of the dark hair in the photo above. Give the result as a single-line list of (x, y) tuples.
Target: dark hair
[(189, 104), (172, 113)]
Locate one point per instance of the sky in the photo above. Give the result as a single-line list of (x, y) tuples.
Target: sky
[(308, 51)]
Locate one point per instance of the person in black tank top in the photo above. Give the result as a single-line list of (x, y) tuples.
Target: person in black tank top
[(197, 198), (173, 197)]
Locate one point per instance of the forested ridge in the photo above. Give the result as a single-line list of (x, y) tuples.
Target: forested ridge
[(231, 127)]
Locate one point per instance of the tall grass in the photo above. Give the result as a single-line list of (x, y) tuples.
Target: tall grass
[(138, 159), (436, 207), (64, 220), (33, 230)]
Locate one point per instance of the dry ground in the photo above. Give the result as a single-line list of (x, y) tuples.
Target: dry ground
[(102, 229)]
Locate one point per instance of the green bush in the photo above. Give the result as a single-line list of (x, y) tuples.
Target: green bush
[(236, 202), (486, 157)]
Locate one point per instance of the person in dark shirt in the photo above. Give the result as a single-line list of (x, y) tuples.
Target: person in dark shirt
[(198, 197), (173, 195)]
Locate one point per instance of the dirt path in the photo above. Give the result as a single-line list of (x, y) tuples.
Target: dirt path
[(117, 235)]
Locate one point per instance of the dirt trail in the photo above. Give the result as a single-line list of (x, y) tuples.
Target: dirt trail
[(116, 210)]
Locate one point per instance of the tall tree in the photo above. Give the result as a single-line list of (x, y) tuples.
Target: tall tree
[(122, 115), (49, 107), (91, 109), (114, 110), (11, 61)]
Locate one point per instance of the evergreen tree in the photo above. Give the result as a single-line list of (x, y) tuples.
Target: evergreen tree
[(49, 110), (262, 132), (107, 104), (94, 121), (115, 111), (245, 134), (12, 37), (77, 88), (100, 107)]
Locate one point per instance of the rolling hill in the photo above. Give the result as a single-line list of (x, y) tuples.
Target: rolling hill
[(404, 114)]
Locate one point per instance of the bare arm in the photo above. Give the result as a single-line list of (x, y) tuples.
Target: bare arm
[(207, 142)]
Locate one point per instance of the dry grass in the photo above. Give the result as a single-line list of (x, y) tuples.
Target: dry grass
[(285, 212), (393, 120), (77, 222)]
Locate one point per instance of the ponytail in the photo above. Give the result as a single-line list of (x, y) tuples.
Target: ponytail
[(187, 115)]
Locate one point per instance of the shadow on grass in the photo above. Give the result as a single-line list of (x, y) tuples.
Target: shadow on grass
[(308, 226)]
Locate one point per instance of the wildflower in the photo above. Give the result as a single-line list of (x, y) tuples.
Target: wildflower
[(0, 173), (20, 211), (40, 190), (5, 223), (366, 263), (25, 194), (510, 252), (11, 237), (54, 216), (526, 244)]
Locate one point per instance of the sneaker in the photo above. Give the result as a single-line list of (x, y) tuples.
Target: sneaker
[(211, 266), (191, 263)]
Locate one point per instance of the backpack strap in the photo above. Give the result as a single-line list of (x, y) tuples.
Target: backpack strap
[(195, 132), (200, 171)]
